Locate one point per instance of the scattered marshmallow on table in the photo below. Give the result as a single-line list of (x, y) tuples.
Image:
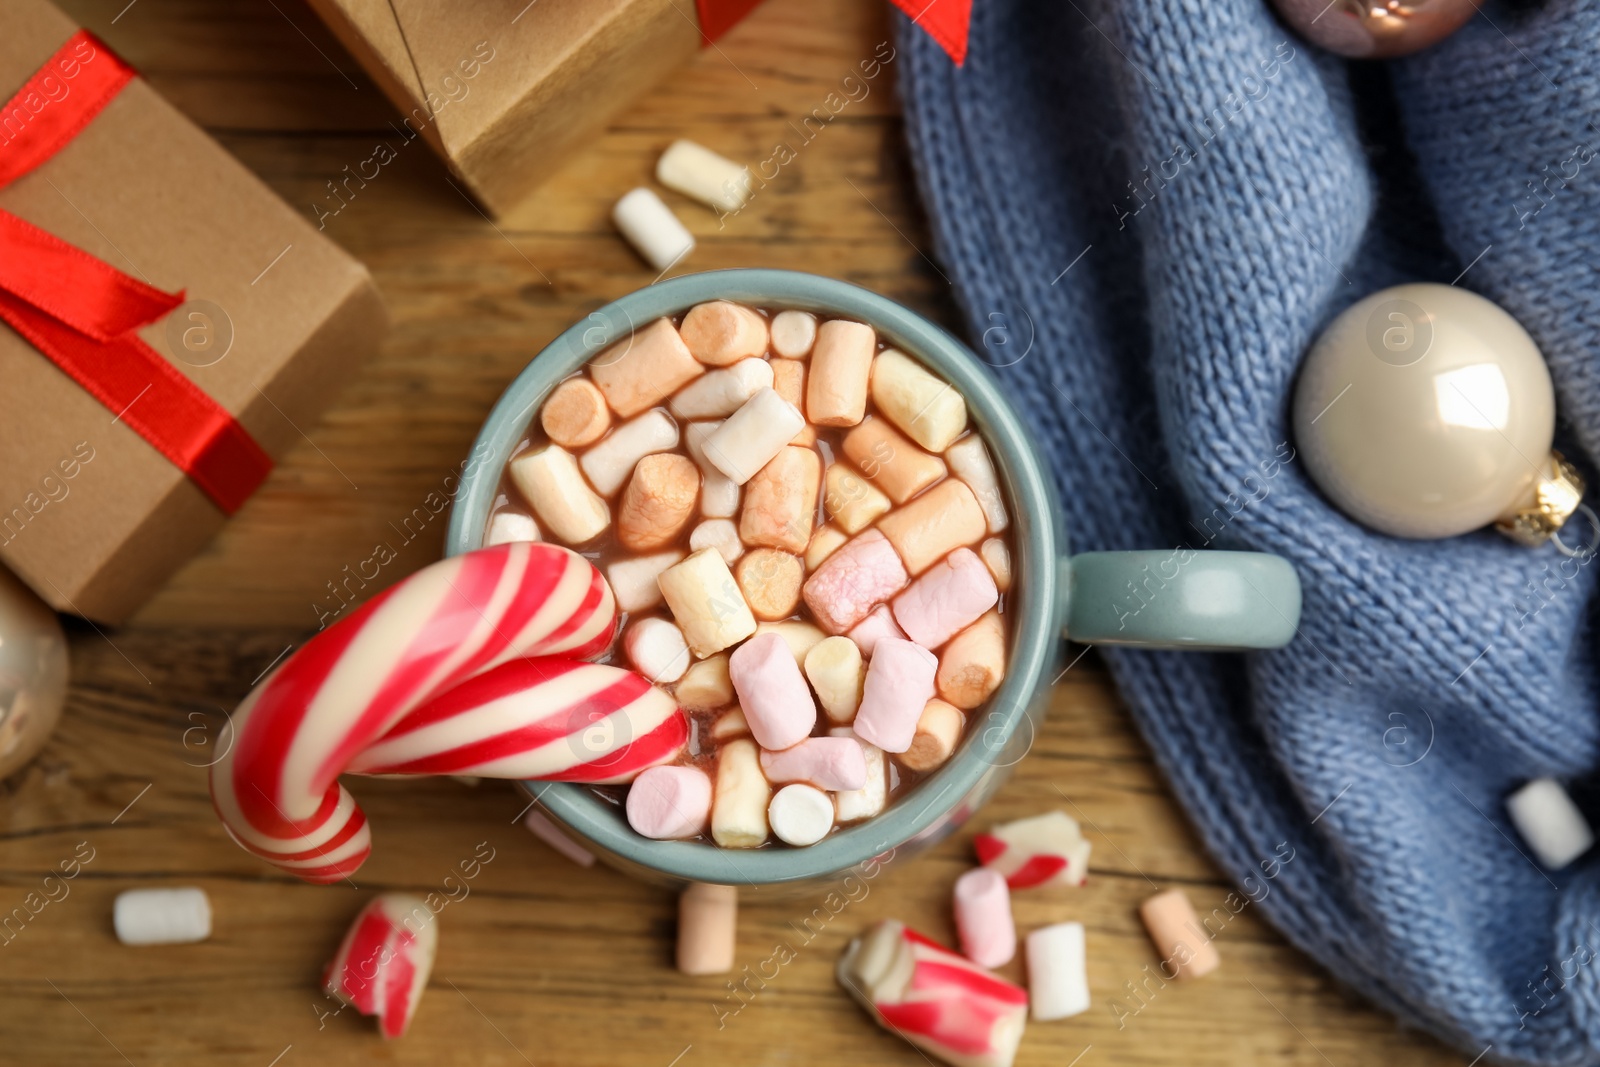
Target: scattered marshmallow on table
[(969, 460), (800, 815), (896, 464), (705, 686), (507, 526), (720, 534), (1549, 822), (633, 581), (925, 407), (540, 826), (780, 501), (862, 574), (973, 664), (938, 732), (658, 502), (609, 464), (575, 414), (856, 804), (708, 922), (739, 801), (823, 544), (651, 228), (776, 701), (1041, 850), (983, 918), (841, 367), (933, 525), (947, 598), (851, 501), (706, 602), (162, 916), (793, 333), (770, 581), (720, 333), (1185, 948), (826, 762), (878, 624), (748, 439), (1058, 980), (551, 482), (667, 803), (644, 368), (719, 494), (701, 174), (836, 673), (899, 684), (656, 649), (998, 559), (722, 392)]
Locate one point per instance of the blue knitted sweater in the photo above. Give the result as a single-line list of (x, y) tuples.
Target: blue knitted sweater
[(1148, 209)]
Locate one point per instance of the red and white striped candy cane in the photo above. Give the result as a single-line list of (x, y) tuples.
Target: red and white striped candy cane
[(277, 790)]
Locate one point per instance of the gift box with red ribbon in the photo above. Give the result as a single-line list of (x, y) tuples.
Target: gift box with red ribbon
[(169, 324)]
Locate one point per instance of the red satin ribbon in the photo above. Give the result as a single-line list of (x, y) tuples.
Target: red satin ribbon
[(82, 313)]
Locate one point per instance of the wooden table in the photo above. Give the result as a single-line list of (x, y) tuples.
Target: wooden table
[(540, 961)]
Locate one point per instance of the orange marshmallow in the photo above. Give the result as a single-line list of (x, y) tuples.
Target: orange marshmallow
[(658, 501), (640, 371), (708, 920), (822, 545), (770, 581), (973, 663), (938, 732), (1184, 945), (789, 379), (780, 502), (575, 414), (935, 524), (721, 332), (850, 500), (891, 460), (841, 369)]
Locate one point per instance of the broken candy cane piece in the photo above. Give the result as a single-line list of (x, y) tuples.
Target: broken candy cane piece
[(855, 804), (1549, 822), (780, 502), (841, 366), (893, 462), (634, 580), (162, 916), (383, 964), (644, 368), (748, 439), (793, 333), (700, 174), (708, 921), (722, 392), (854, 580), (1046, 849), (706, 602), (609, 464), (942, 1003), (770, 581), (949, 596), (970, 462), (705, 686), (973, 664), (665, 803), (508, 526), (834, 668), (800, 815), (651, 228), (983, 918), (899, 684), (540, 826), (575, 415), (739, 804), (657, 650), (935, 524), (927, 408), (721, 333), (1058, 983), (874, 628), (938, 733), (825, 762), (658, 502), (549, 480), (719, 494), (776, 701), (1184, 945)]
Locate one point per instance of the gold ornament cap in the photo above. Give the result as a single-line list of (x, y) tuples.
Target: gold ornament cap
[(1556, 495)]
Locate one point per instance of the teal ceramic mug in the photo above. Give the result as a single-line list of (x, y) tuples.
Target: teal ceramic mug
[(1174, 598)]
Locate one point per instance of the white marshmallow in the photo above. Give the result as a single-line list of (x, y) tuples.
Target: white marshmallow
[(800, 814), (720, 534), (656, 649), (720, 393), (633, 581), (707, 603), (1058, 984), (739, 807), (508, 526), (834, 669), (793, 334), (997, 557), (1549, 822), (925, 407), (549, 480), (651, 228), (609, 464), (801, 637), (700, 174), (162, 916), (870, 799), (753, 435), (969, 460), (719, 494)]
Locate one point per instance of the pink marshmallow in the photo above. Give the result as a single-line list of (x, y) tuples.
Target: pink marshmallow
[(669, 802), (899, 682), (776, 700), (948, 597), (859, 576), (983, 918), (874, 628), (825, 762)]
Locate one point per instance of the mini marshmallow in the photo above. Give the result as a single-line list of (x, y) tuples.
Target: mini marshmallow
[(899, 684), (666, 803), (770, 581), (550, 481), (938, 733), (935, 524), (658, 502), (644, 368), (893, 462), (706, 602), (997, 557), (633, 581), (973, 664), (508, 526), (800, 815), (948, 597), (854, 580), (749, 438), (700, 174), (874, 628), (708, 927), (720, 333), (730, 724), (651, 228), (739, 805), (540, 826), (656, 649), (841, 366), (1041, 850), (1185, 947), (1058, 981), (774, 696), (983, 918), (789, 380), (780, 501), (168, 916), (823, 543), (720, 534), (926, 408), (825, 762), (851, 501), (722, 392), (793, 333), (801, 637), (834, 668), (853, 805), (719, 494), (609, 464), (575, 413), (1549, 822), (969, 460), (705, 686)]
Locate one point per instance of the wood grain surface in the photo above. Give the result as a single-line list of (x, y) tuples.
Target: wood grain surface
[(541, 961)]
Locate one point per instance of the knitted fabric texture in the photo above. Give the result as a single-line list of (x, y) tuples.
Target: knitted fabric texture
[(1148, 209)]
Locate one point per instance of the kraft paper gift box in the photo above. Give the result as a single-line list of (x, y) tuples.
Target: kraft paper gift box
[(276, 319), (504, 89)]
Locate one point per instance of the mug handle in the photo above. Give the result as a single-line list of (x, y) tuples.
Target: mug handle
[(1181, 599)]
